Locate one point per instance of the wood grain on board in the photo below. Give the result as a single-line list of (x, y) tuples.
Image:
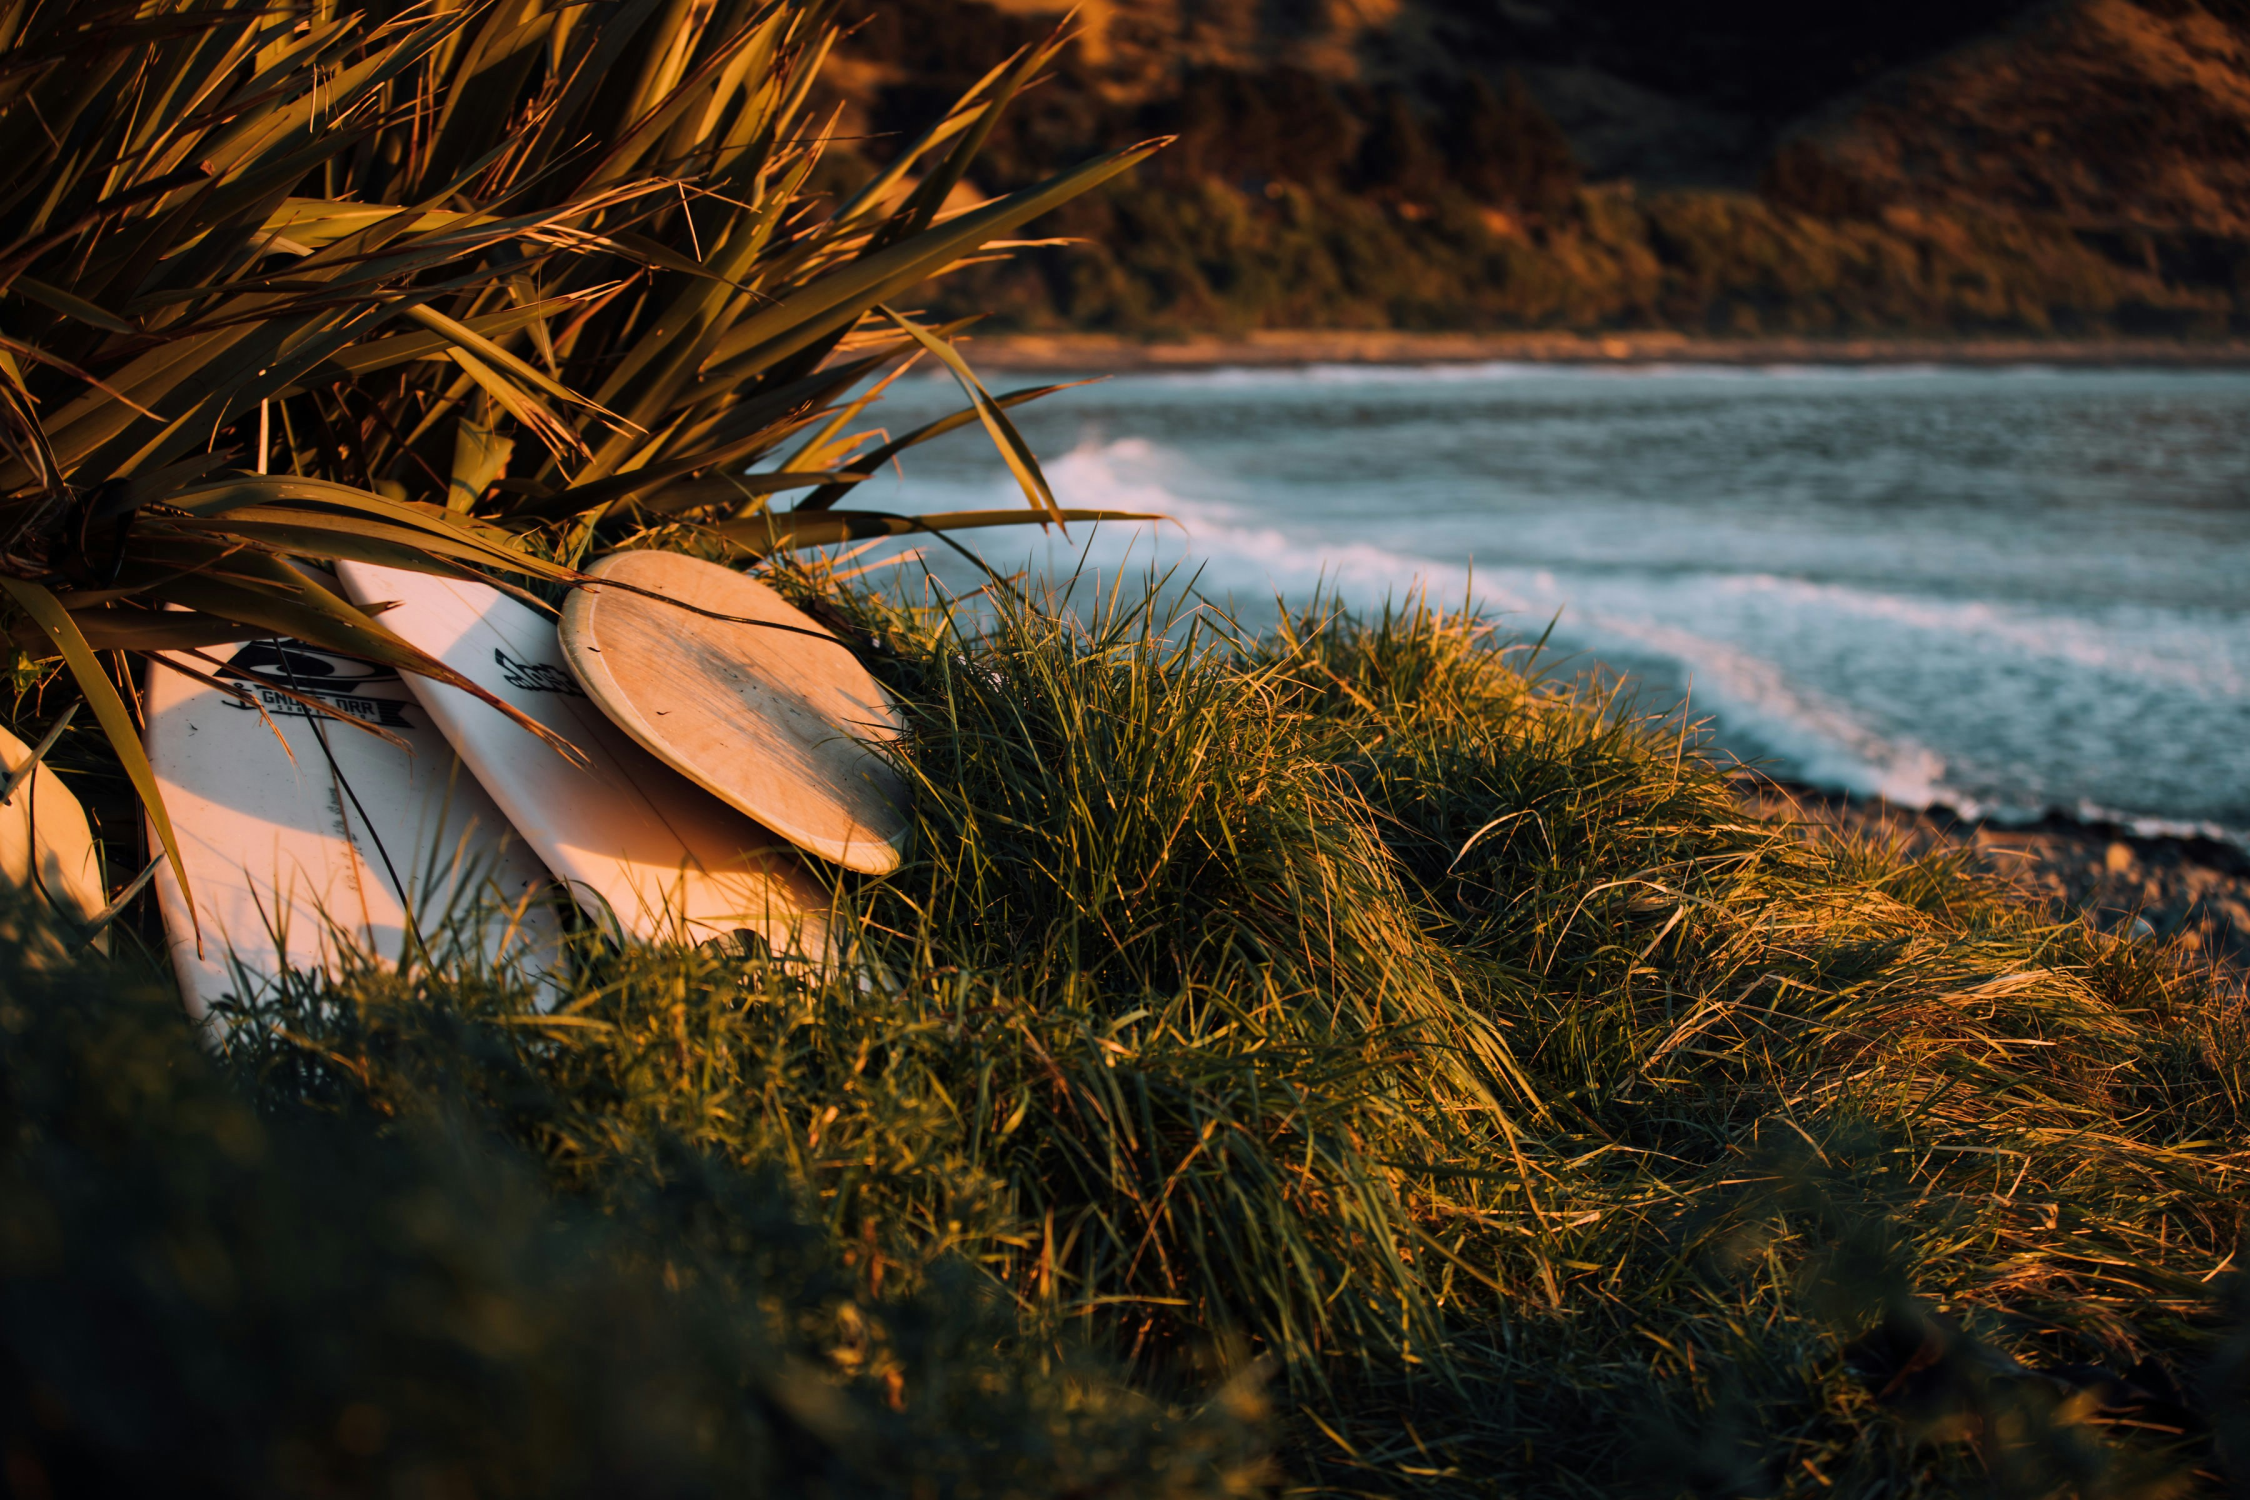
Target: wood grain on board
[(781, 723)]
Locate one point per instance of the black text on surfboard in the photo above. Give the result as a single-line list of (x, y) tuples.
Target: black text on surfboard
[(298, 668), (535, 676), (386, 713)]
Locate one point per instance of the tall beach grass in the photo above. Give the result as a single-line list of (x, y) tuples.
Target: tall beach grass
[(1364, 1011)]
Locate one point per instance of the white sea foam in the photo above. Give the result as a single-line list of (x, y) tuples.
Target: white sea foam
[(1892, 588), (1236, 560)]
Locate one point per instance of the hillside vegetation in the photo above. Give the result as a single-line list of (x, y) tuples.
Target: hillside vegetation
[(2074, 168)]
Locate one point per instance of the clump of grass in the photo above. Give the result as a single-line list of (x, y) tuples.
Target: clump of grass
[(294, 1291), (1363, 1000)]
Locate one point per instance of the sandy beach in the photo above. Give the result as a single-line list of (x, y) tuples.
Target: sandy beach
[(1084, 352)]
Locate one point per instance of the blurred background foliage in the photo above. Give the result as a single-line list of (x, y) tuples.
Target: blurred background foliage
[(1736, 169)]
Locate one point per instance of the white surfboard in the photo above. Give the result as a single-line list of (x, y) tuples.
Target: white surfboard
[(783, 723), (46, 847), (637, 842), (301, 834)]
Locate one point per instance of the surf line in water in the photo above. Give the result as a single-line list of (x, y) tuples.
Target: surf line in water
[(1243, 564), (1697, 635)]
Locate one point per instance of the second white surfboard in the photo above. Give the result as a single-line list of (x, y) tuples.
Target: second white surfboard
[(303, 834), (636, 841)]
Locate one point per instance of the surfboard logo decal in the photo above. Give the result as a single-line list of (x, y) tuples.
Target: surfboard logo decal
[(384, 713), (292, 665), (297, 665), (535, 676)]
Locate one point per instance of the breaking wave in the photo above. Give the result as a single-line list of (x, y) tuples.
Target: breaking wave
[(2004, 703)]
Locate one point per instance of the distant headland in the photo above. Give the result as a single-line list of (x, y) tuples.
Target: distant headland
[(1866, 169)]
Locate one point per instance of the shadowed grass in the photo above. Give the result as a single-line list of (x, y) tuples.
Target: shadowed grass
[(213, 1292), (1360, 998)]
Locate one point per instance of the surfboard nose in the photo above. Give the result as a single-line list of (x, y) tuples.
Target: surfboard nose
[(643, 850), (722, 679)]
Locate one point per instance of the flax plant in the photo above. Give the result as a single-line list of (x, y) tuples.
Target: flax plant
[(469, 288)]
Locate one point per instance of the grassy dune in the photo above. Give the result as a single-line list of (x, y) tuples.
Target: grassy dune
[(1426, 1042)]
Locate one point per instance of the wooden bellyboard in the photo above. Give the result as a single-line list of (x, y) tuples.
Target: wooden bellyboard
[(304, 837), (636, 842), (46, 847), (780, 723)]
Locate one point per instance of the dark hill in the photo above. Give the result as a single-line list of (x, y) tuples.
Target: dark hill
[(1740, 166)]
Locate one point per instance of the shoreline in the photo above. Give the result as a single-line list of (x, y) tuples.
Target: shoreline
[(2145, 885), (1281, 348), (2194, 891)]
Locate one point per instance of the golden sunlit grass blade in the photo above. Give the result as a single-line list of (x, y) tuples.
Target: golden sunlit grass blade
[(278, 497), (63, 302), (127, 629), (1021, 461), (776, 531), (874, 459), (740, 490), (109, 710), (461, 336)]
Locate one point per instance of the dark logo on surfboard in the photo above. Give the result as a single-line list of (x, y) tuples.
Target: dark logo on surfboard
[(535, 676), (277, 669)]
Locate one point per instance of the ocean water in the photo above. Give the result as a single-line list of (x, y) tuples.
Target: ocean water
[(2009, 591)]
